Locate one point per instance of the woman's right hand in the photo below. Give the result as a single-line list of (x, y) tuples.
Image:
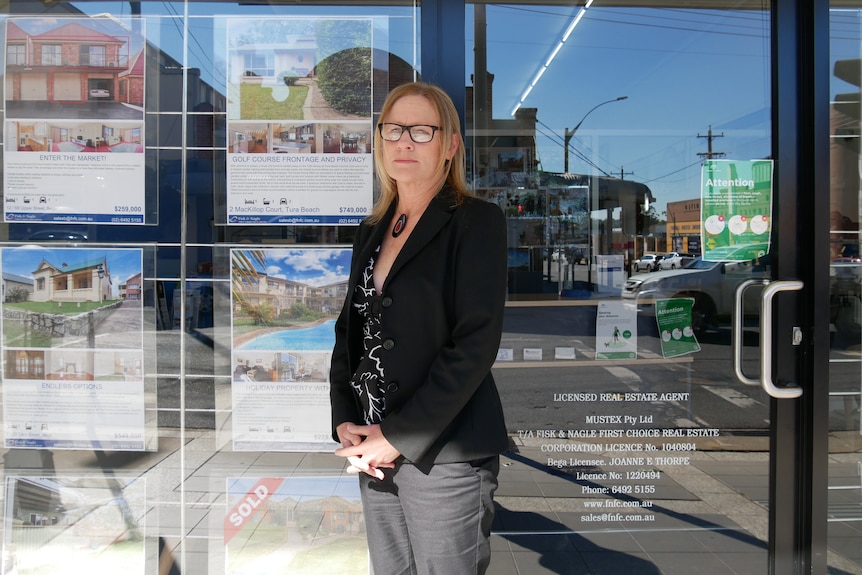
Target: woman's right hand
[(357, 465), (345, 437)]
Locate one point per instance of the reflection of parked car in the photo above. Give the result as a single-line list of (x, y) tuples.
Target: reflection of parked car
[(648, 262), (712, 285), (57, 235), (99, 93), (671, 261)]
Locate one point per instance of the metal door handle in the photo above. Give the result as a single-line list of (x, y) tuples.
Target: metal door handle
[(736, 330), (769, 292)]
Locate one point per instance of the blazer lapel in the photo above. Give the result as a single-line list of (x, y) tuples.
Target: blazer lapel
[(369, 244), (436, 215)]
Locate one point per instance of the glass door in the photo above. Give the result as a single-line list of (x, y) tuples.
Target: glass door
[(631, 149), (845, 383)]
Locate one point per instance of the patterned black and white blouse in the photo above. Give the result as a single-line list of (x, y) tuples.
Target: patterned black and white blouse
[(367, 382)]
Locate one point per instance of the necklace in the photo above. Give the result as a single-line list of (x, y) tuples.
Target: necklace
[(399, 225)]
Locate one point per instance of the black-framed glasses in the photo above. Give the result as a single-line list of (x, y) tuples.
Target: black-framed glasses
[(419, 133)]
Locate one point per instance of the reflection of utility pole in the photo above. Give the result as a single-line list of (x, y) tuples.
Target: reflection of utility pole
[(709, 154), (569, 133), (624, 174), (674, 232)]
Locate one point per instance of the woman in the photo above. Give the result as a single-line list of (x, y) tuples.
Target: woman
[(414, 404)]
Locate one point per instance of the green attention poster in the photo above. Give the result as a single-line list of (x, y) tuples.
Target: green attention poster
[(673, 317), (736, 209)]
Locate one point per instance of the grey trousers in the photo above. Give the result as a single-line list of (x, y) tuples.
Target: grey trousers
[(437, 523)]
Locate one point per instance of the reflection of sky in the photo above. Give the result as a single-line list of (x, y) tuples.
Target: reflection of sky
[(122, 264), (682, 70), (314, 267)]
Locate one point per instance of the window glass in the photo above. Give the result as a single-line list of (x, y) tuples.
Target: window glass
[(591, 126), (94, 82), (845, 310)]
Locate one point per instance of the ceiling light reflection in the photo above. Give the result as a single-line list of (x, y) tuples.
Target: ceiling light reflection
[(554, 52)]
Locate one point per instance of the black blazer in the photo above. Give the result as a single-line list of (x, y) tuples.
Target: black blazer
[(442, 318)]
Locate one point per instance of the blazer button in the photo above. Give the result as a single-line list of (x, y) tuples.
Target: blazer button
[(388, 344), (392, 387), (387, 301)]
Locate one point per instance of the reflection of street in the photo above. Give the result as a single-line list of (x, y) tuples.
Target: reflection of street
[(718, 399)]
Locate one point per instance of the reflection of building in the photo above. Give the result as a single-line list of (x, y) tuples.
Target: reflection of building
[(581, 216), (683, 226), (88, 281), (71, 63)]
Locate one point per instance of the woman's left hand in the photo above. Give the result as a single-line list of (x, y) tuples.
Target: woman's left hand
[(375, 451)]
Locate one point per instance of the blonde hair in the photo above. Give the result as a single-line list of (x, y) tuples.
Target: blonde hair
[(450, 128)]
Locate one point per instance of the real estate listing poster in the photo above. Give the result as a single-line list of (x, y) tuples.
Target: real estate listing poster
[(299, 126), (616, 330), (74, 125), (50, 520), (308, 525), (285, 302), (72, 345), (736, 209)]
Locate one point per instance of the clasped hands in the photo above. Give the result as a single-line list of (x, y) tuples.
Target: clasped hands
[(366, 449)]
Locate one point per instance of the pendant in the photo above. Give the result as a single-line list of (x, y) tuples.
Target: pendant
[(399, 225)]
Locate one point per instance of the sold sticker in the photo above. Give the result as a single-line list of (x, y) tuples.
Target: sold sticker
[(248, 505)]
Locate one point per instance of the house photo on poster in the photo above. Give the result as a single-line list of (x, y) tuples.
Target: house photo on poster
[(74, 96), (299, 126), (285, 303), (49, 521), (72, 348), (308, 525)]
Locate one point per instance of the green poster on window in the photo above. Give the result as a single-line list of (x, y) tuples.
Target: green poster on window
[(736, 209), (673, 317)]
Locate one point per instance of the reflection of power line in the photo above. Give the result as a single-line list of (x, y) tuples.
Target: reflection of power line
[(552, 135), (673, 172), (709, 154)]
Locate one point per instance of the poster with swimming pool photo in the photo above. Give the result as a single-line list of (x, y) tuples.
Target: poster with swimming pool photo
[(284, 306)]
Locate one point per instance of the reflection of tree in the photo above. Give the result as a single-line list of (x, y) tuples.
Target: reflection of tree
[(648, 220), (336, 35)]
